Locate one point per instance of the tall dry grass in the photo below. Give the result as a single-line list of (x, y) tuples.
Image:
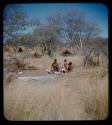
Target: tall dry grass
[(96, 103), (79, 95)]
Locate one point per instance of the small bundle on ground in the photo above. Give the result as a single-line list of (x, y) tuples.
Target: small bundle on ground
[(31, 67), (37, 55)]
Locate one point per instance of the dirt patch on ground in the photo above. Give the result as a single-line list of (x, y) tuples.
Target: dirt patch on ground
[(33, 73)]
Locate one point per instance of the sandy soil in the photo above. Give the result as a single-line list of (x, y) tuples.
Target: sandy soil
[(79, 95)]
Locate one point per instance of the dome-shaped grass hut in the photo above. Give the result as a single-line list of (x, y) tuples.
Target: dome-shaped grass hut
[(95, 58), (20, 49), (66, 52), (8, 49)]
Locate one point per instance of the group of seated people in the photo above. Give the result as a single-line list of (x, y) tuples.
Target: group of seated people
[(67, 67)]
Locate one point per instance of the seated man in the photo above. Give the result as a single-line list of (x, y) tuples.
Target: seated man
[(55, 66), (70, 67)]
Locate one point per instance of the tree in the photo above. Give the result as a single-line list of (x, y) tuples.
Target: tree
[(73, 28), (47, 37), (14, 21), (15, 24)]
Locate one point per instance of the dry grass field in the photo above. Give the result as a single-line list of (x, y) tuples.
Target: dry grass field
[(79, 95), (34, 35)]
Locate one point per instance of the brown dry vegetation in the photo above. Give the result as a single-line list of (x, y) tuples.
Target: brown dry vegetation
[(79, 95)]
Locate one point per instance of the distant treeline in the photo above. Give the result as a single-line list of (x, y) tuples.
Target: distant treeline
[(70, 29)]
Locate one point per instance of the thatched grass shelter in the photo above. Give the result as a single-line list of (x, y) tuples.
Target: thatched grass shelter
[(94, 58), (8, 49), (66, 52), (20, 48)]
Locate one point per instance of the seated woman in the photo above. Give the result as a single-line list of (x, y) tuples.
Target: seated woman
[(65, 67), (70, 67)]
